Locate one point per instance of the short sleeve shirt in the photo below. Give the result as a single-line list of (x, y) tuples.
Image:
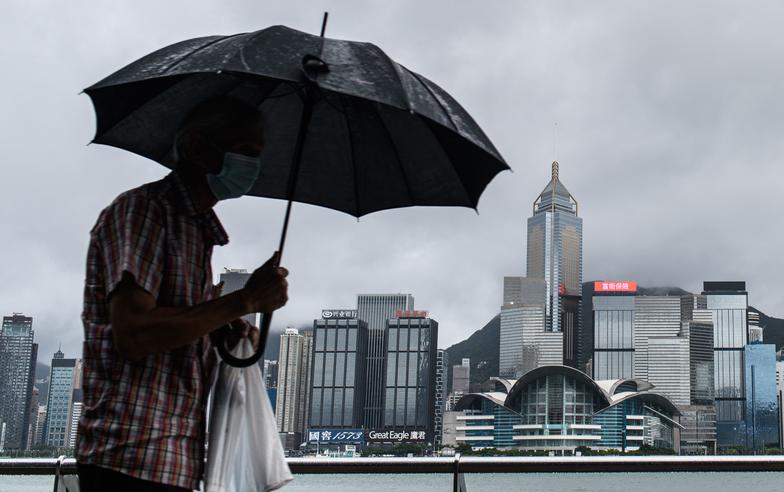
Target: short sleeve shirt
[(146, 418)]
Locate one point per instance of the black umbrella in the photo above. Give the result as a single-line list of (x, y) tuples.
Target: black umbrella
[(348, 128)]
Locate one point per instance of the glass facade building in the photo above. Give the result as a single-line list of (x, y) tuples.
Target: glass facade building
[(375, 310), (558, 408), (18, 355), (64, 377), (762, 412), (613, 337), (555, 252), (409, 392), (338, 377), (727, 303)]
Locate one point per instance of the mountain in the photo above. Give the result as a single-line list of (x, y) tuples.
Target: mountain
[(773, 328), (482, 349)]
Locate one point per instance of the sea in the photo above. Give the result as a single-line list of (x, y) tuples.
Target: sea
[(499, 482)]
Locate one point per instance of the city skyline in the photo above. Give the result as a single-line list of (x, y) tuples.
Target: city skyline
[(660, 135)]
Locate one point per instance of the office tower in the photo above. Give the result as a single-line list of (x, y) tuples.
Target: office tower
[(339, 369), (442, 374), (31, 424), (294, 368), (375, 310), (654, 316), (555, 254), (727, 303), (669, 374), (409, 392), (762, 419), (755, 330), (233, 280), (18, 356), (77, 404), (40, 426), (64, 378), (611, 323), (270, 372), (524, 342), (461, 376)]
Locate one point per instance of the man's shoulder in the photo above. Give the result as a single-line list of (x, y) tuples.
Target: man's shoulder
[(145, 201)]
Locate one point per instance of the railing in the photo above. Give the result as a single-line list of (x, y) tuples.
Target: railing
[(457, 465)]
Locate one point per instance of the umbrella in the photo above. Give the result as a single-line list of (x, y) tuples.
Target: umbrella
[(348, 128)]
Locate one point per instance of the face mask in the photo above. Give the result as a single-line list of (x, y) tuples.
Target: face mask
[(237, 177)]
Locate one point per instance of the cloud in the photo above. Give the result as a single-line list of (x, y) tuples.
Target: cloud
[(669, 119)]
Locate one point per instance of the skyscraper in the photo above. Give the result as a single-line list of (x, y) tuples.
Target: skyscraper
[(442, 373), (409, 399), (727, 303), (18, 356), (762, 418), (555, 254), (294, 369), (375, 310), (339, 370), (64, 378)]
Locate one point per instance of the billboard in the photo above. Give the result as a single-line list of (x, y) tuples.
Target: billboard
[(615, 286), (401, 313), (394, 436), (339, 313), (335, 436)]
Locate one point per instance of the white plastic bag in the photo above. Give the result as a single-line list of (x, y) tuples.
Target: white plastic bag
[(244, 453)]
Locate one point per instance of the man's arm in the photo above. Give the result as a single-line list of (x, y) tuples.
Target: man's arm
[(140, 327)]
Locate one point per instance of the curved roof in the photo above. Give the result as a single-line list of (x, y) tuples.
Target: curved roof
[(660, 400), (543, 371), (465, 401), (507, 383), (610, 386)]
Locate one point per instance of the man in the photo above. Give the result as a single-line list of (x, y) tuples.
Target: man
[(149, 306)]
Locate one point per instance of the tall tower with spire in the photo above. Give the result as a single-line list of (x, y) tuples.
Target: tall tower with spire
[(555, 254)]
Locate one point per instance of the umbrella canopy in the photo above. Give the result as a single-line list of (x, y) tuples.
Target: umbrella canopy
[(380, 136)]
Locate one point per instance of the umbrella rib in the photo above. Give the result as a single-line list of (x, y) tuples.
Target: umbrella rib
[(397, 157), (438, 101), (200, 48), (341, 97)]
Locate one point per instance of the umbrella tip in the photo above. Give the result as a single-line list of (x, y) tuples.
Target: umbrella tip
[(476, 209)]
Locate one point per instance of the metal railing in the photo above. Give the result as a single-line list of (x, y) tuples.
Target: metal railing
[(457, 465)]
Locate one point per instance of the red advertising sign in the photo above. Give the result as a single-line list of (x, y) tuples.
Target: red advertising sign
[(615, 286), (400, 313)]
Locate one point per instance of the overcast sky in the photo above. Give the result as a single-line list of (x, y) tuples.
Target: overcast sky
[(670, 135)]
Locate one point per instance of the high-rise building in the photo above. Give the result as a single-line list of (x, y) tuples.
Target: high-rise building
[(339, 370), (442, 374), (34, 404), (461, 376), (64, 378), (611, 323), (18, 355), (270, 373), (40, 426), (762, 418), (727, 303), (375, 310), (409, 392), (555, 254), (77, 404), (294, 369), (524, 343), (756, 332), (233, 280)]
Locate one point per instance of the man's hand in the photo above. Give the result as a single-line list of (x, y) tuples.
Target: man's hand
[(267, 288), (242, 329)]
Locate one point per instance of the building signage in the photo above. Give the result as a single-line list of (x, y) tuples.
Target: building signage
[(401, 313), (335, 436), (394, 436), (339, 313), (615, 286)]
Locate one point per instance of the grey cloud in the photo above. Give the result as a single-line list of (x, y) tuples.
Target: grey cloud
[(669, 117)]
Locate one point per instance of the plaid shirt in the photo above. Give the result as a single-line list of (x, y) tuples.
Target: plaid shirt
[(147, 418)]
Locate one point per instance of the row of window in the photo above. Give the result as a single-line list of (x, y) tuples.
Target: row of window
[(334, 369), (414, 338)]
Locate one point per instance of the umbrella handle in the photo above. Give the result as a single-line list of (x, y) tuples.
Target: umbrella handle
[(220, 342)]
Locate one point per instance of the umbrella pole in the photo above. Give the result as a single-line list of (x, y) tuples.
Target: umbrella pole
[(266, 318)]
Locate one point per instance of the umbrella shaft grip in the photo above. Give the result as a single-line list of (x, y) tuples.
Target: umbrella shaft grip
[(224, 352)]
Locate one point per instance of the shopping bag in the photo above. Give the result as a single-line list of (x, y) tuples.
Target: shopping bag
[(244, 452)]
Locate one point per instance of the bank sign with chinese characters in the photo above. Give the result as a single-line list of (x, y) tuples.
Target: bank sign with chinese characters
[(615, 286), (336, 436), (339, 313), (395, 436)]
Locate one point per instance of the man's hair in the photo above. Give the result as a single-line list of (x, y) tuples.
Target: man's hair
[(220, 118)]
